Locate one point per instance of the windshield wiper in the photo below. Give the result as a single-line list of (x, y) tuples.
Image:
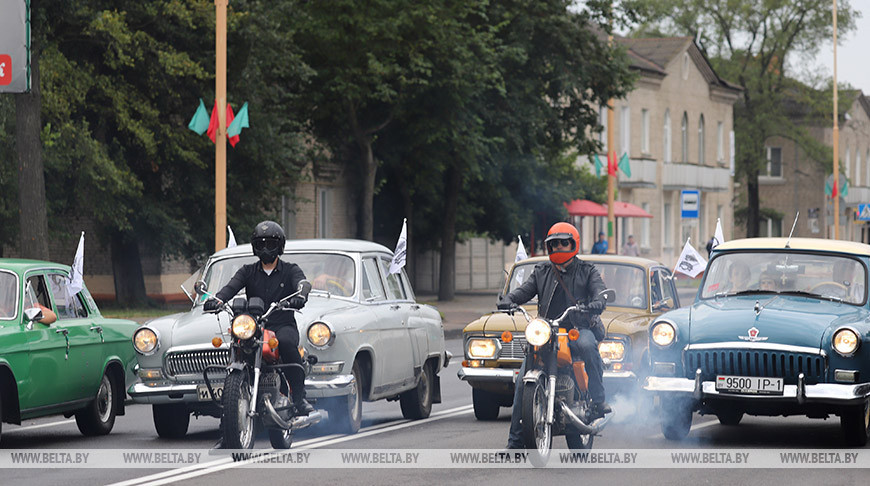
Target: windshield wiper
[(804, 293), (746, 292)]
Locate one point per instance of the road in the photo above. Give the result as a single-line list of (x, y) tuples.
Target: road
[(451, 426)]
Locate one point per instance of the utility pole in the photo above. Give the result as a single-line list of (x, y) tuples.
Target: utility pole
[(220, 174), (836, 183)]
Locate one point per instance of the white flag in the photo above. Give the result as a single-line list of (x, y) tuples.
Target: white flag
[(232, 240), (521, 255), (718, 237), (401, 250), (691, 262), (77, 282)]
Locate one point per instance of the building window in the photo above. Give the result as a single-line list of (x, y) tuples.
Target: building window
[(720, 142), (684, 138), (685, 65), (644, 227), (666, 221), (774, 161), (644, 131), (701, 157), (667, 140), (602, 119), (770, 227), (848, 161), (323, 213), (857, 168), (625, 131)]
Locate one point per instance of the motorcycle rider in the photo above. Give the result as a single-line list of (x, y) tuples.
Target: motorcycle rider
[(272, 279), (584, 284)]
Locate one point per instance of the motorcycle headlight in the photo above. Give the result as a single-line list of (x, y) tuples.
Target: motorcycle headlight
[(482, 348), (145, 341), (846, 342), (320, 335), (612, 350), (538, 332), (663, 334), (244, 326)]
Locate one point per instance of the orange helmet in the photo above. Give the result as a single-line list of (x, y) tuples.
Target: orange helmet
[(563, 242)]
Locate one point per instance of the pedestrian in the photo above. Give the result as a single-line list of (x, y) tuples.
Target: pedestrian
[(600, 246), (630, 247), (710, 245)]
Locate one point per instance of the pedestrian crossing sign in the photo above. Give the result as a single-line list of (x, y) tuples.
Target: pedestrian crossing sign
[(864, 212)]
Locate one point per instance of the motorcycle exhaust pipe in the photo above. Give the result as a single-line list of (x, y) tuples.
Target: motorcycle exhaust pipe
[(596, 426), (296, 422)]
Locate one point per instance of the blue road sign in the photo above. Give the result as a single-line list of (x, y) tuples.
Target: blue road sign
[(689, 203)]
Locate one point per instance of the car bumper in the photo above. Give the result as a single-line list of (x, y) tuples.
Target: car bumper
[(824, 393), (488, 375)]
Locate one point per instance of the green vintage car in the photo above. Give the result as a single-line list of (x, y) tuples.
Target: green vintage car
[(78, 365)]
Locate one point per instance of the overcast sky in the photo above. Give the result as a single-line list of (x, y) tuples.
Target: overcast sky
[(853, 53)]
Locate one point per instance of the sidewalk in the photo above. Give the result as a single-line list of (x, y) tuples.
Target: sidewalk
[(464, 308)]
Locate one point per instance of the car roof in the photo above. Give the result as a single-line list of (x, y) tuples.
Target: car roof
[(314, 244), (22, 264), (643, 262), (796, 244)]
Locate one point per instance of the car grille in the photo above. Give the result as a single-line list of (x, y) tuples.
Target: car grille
[(194, 362), (513, 349), (745, 362)]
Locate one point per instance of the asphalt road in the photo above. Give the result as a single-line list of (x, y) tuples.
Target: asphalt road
[(451, 426)]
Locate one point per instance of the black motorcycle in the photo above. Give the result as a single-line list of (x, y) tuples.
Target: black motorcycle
[(255, 391)]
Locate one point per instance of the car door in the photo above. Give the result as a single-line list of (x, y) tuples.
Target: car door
[(85, 338), (53, 377), (423, 328), (415, 330), (661, 290)]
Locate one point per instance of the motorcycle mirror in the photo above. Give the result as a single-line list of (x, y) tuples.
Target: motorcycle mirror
[(200, 287), (608, 294), (304, 288)]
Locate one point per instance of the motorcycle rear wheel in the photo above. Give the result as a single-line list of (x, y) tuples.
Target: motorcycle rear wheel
[(237, 426), (280, 438), (537, 433)]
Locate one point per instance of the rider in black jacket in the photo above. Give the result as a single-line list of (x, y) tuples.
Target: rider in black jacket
[(272, 279), (585, 285)]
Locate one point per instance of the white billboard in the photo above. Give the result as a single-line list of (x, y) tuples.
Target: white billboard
[(14, 46)]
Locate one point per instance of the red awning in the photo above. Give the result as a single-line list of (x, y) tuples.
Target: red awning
[(583, 207), (628, 210)]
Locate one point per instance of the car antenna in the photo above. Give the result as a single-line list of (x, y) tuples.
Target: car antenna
[(796, 216)]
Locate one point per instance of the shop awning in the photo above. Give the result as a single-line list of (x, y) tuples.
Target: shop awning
[(628, 210), (584, 207)]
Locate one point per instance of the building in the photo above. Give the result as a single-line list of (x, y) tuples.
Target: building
[(677, 128)]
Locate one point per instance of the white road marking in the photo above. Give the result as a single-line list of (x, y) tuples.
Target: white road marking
[(702, 425), (40, 426), (188, 472)]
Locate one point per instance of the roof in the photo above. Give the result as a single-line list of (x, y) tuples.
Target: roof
[(629, 210), (643, 262), (583, 207), (315, 244), (839, 246), (19, 264)]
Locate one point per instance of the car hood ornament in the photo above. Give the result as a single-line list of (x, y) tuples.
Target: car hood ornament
[(753, 336)]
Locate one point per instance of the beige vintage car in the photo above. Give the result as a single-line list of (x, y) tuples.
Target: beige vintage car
[(644, 289)]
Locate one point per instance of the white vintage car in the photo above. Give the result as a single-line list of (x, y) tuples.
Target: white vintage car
[(371, 338)]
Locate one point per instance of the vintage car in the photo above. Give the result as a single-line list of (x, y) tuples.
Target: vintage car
[(371, 338), (778, 328), (78, 365), (644, 289)]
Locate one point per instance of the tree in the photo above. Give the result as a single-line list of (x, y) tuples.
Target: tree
[(755, 44)]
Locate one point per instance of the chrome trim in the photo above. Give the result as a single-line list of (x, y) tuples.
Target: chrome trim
[(179, 362), (857, 335), (627, 375), (140, 390), (195, 347), (498, 347), (331, 334), (331, 386), (831, 393), (494, 375), (156, 333), (757, 347)]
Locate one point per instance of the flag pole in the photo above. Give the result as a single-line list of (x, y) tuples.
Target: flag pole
[(220, 179), (611, 151), (836, 182)]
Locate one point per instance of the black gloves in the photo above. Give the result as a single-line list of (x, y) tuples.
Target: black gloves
[(296, 302), (596, 306), (505, 303), (211, 305)]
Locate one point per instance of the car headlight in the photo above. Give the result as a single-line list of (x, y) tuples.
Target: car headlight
[(612, 350), (320, 335), (145, 341), (663, 334), (482, 348), (846, 342), (244, 326), (538, 332)]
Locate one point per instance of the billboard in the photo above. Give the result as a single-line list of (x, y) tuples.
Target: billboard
[(14, 46)]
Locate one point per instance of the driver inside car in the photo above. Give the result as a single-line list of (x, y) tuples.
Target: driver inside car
[(583, 282)]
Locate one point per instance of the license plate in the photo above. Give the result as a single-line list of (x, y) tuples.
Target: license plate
[(750, 385), (204, 395)]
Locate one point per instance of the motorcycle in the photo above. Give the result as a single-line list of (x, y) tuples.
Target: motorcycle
[(255, 391), (556, 399)]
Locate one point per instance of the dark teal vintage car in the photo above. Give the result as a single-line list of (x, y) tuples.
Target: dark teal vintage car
[(77, 365), (779, 327)]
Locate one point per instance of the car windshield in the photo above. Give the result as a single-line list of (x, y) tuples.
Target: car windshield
[(520, 274), (827, 276), (8, 293), (628, 281), (326, 271)]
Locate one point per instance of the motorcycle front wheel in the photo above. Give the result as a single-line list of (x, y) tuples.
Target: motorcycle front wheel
[(537, 433), (236, 423)]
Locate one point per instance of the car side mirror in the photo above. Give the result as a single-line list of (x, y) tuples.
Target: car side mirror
[(664, 304), (31, 315), (609, 295), (200, 287)]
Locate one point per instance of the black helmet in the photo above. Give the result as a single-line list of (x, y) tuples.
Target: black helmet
[(267, 240)]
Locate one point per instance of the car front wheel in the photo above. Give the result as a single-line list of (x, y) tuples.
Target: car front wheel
[(855, 422), (346, 412), (98, 417), (171, 420), (417, 403), (676, 419), (486, 405)]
